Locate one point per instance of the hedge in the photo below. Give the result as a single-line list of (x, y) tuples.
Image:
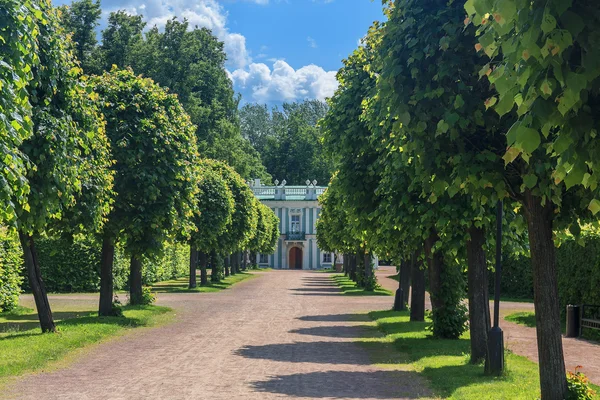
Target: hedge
[(74, 266), (578, 271), (10, 269)]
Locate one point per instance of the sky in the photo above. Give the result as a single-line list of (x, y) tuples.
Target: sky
[(278, 50)]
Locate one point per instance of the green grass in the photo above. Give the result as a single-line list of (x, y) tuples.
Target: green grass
[(445, 363), (25, 349), (181, 285), (350, 288), (522, 318)]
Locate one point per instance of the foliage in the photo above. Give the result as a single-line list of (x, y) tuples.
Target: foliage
[(545, 60), (71, 265), (81, 18), (69, 172), (578, 270), (154, 148), (123, 33), (148, 298), (18, 45), (11, 261), (579, 386), (243, 224), (214, 212), (289, 140), (267, 231), (450, 320)]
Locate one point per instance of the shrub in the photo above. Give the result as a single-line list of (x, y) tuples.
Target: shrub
[(579, 386), (74, 265), (148, 298), (10, 266)]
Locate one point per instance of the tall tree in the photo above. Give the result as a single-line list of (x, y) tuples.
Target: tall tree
[(545, 60), (81, 19), (123, 33), (154, 148), (67, 151)]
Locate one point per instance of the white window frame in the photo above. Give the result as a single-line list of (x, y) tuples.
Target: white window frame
[(295, 226), (263, 261), (330, 258)]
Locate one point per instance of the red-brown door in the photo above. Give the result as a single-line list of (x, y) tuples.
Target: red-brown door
[(295, 258)]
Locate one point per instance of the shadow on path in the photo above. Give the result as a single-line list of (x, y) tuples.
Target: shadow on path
[(359, 331), (306, 352), (345, 385), (336, 318)]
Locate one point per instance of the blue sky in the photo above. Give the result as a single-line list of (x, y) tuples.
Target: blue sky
[(278, 50)]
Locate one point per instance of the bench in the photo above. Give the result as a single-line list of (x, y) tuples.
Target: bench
[(590, 317)]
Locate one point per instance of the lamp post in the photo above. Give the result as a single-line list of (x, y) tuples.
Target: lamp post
[(495, 362)]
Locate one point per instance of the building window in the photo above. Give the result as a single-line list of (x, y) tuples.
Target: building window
[(295, 223), (326, 258), (263, 259)]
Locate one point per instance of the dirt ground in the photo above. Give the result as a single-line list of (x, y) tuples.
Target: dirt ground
[(522, 340), (285, 334)]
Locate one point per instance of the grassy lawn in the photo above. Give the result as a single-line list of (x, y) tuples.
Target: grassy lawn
[(445, 363), (350, 288), (522, 318), (181, 285), (25, 349)]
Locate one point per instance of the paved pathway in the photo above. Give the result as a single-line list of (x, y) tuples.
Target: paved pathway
[(285, 334), (523, 340)]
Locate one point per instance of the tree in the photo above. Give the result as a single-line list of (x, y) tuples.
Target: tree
[(19, 55), (81, 19), (124, 31), (544, 59), (243, 224), (267, 231), (288, 140), (154, 148), (215, 207), (67, 151)]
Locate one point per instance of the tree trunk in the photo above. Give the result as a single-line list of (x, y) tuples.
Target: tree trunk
[(353, 267), (244, 260), (214, 268), (36, 283), (203, 275), (369, 278), (193, 265), (346, 264), (135, 281), (107, 259), (547, 314), (405, 271), (228, 264), (479, 299), (435, 263), (417, 297)]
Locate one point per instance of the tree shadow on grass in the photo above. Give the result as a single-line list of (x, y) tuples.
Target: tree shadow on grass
[(346, 385), (25, 322)]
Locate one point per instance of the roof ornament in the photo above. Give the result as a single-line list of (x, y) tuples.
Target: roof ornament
[(283, 183), (314, 182), (276, 182)]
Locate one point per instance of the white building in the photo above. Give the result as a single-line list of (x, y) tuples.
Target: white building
[(298, 210)]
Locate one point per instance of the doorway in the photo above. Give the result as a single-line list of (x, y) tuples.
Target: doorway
[(295, 261)]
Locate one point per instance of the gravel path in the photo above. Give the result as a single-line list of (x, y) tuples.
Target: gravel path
[(522, 340), (285, 334)]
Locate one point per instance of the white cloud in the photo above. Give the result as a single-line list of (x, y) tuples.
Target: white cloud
[(203, 13), (282, 83), (312, 42)]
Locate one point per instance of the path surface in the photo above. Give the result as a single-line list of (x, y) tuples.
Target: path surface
[(522, 340), (285, 334)]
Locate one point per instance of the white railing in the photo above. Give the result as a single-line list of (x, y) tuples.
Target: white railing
[(282, 192)]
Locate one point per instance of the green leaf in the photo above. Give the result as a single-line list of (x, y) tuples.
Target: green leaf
[(530, 180), (510, 155), (594, 206), (458, 101), (442, 126), (529, 139), (548, 23)]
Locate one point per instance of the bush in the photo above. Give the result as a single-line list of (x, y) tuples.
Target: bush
[(11, 260), (450, 321), (579, 386), (74, 265), (578, 271)]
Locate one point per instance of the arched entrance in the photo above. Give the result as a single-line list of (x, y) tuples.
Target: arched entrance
[(295, 261)]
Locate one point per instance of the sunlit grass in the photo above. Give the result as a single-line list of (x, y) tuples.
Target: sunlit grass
[(181, 285)]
